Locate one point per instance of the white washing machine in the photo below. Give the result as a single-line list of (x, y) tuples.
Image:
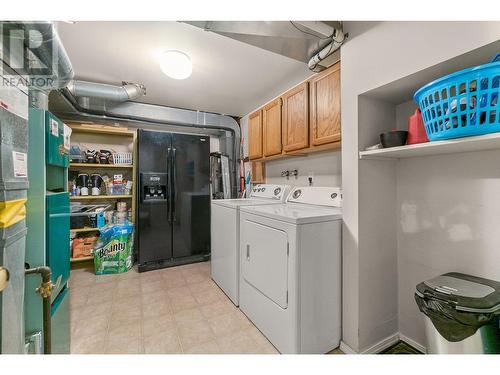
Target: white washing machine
[(225, 234), (290, 280)]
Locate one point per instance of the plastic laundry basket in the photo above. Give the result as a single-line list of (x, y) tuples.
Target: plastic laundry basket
[(461, 314), (462, 104)]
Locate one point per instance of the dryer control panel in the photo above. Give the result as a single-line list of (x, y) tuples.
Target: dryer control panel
[(270, 191), (321, 196)]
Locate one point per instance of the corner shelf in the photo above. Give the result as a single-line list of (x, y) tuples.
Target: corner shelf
[(467, 144)]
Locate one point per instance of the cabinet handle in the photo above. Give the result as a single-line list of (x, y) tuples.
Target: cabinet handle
[(248, 252)]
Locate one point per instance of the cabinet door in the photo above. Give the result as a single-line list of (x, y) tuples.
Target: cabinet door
[(271, 124), (325, 106), (255, 135), (296, 118), (258, 172)]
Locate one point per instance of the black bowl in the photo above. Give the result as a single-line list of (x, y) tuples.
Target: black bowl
[(393, 138)]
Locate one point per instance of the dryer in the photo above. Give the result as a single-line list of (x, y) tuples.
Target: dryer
[(290, 279), (225, 234)]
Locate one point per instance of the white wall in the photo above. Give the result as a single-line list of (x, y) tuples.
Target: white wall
[(449, 211), (325, 168), (375, 54)]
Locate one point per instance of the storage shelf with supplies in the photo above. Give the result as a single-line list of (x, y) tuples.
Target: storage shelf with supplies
[(82, 259), (91, 197), (96, 166), (466, 144), (84, 230), (119, 143)]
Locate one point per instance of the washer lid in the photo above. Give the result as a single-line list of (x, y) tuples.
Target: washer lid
[(296, 213), (466, 292)]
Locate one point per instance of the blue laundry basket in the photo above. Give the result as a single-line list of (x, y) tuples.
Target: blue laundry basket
[(462, 104)]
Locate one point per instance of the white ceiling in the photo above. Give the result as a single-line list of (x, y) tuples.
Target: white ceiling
[(229, 76)]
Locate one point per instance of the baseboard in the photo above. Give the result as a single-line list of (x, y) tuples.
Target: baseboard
[(383, 344), (346, 349), (413, 343)]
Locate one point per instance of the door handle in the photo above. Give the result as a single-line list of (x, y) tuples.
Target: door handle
[(248, 252), (4, 278), (169, 187), (174, 183)]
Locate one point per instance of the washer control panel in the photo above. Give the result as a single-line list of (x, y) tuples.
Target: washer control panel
[(322, 196), (268, 191)]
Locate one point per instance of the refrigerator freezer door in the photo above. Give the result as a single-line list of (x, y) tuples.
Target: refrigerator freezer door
[(190, 195), (154, 234)]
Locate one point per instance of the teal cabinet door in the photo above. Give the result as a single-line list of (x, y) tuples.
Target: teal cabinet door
[(56, 154), (60, 324), (57, 251)]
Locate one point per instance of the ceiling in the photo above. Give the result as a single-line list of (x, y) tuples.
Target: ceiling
[(229, 77)]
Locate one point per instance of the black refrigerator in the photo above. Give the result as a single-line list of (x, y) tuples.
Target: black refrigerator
[(173, 207)]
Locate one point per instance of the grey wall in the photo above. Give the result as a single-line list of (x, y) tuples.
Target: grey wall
[(378, 53)]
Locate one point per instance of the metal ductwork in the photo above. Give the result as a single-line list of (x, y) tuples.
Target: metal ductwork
[(311, 42), (337, 39), (52, 46), (157, 117), (49, 52), (126, 92)]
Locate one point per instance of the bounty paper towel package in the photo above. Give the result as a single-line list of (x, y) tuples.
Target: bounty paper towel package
[(113, 254)]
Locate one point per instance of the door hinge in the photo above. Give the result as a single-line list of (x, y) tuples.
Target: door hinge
[(287, 296), (288, 249)]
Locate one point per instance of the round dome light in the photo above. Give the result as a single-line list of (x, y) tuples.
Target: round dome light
[(176, 64)]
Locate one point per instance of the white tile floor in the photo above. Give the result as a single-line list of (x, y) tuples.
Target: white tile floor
[(173, 310)]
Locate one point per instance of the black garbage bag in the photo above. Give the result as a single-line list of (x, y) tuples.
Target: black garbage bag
[(452, 324)]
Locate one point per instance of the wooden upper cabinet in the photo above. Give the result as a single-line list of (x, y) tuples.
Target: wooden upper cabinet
[(255, 135), (325, 106), (271, 125), (296, 118)]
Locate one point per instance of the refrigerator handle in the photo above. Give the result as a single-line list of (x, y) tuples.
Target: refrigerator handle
[(169, 188), (174, 184)]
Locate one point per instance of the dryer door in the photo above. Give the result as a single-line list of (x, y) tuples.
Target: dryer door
[(265, 261)]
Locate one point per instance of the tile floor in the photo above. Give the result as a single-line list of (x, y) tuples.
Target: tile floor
[(173, 310)]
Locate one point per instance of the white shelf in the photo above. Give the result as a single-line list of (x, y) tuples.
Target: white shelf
[(468, 144)]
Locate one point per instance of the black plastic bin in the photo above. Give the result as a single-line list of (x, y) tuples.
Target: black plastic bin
[(462, 314)]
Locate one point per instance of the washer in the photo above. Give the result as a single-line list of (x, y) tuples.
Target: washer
[(290, 280), (225, 234)]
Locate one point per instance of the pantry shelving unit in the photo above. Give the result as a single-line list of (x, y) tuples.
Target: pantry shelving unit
[(110, 138)]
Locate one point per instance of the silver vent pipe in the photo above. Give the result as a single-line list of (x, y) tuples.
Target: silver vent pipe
[(51, 46), (126, 92), (338, 38)]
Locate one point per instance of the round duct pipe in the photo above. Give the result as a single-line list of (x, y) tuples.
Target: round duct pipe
[(337, 40), (128, 91)]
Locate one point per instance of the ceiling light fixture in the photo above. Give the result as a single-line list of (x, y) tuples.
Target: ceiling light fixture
[(176, 64)]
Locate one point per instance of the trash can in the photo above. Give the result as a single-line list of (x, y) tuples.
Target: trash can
[(461, 314)]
